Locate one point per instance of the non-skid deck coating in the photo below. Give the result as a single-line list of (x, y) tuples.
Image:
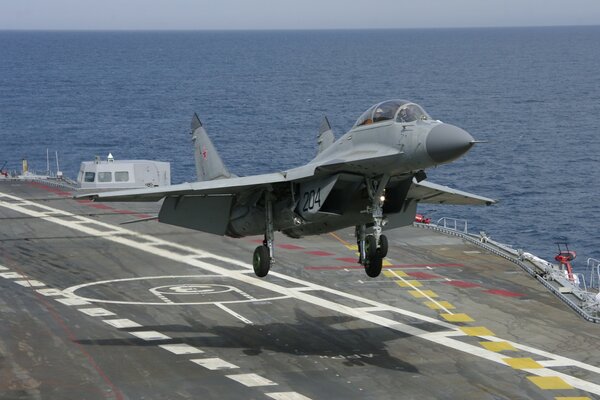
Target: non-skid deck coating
[(91, 309)]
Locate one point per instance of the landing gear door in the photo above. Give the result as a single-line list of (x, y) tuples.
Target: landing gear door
[(312, 196)]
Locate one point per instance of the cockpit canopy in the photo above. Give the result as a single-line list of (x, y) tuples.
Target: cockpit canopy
[(398, 110)]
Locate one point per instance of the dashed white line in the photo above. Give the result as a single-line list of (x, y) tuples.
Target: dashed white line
[(72, 301), (230, 311), (181, 348), (287, 396), (12, 275), (96, 312), (150, 335), (50, 292), (251, 380), (122, 323), (214, 363), (30, 283)]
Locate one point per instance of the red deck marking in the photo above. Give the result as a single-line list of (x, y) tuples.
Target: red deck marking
[(336, 267), (462, 284), (347, 259), (84, 201), (143, 215), (290, 247), (319, 253), (101, 206), (125, 211), (425, 265), (423, 275), (504, 293), (355, 266)]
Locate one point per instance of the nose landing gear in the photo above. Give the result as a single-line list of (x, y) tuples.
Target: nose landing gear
[(373, 248)]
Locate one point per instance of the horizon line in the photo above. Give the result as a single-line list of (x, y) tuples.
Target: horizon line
[(287, 29)]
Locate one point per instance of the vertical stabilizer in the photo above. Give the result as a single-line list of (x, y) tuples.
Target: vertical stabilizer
[(209, 165), (326, 137)]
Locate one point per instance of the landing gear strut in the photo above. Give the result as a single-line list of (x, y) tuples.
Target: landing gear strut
[(373, 248), (263, 255)]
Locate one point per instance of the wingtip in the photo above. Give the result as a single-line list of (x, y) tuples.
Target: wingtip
[(196, 123)]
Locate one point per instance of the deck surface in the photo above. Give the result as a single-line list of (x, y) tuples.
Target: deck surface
[(91, 309)]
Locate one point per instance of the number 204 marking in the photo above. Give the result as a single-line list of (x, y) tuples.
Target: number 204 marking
[(310, 199)]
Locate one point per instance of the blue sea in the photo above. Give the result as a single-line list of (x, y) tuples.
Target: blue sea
[(532, 93)]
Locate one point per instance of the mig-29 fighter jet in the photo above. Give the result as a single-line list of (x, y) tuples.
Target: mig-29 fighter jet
[(371, 178)]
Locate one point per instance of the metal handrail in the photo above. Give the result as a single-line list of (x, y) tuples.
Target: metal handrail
[(453, 223), (593, 268), (585, 303)]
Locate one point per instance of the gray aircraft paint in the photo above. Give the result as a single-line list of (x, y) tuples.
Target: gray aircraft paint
[(341, 170)]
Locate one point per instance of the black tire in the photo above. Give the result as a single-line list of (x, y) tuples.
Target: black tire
[(261, 261), (383, 246), (373, 269), (370, 247)]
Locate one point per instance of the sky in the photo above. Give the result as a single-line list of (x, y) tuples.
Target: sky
[(292, 14)]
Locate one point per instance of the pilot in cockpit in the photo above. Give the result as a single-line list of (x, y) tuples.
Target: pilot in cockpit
[(406, 114)]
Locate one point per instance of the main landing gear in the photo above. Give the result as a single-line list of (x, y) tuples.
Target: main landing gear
[(263, 255), (373, 248)]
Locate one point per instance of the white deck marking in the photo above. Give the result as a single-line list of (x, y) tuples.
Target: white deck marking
[(303, 289), (96, 312), (420, 291), (137, 241), (12, 275), (214, 363), (122, 323), (72, 301), (287, 396), (73, 289), (50, 292), (251, 380), (372, 309), (150, 335), (30, 283), (181, 348), (3, 268), (230, 311)]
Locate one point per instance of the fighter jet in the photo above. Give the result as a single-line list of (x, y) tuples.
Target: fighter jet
[(371, 178)]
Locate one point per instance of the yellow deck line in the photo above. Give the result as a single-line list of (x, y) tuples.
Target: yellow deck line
[(421, 292), (498, 346), (522, 363), (549, 382)]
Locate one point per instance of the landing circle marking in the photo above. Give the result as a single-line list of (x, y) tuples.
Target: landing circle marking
[(179, 289)]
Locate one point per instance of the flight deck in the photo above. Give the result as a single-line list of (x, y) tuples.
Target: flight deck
[(93, 309)]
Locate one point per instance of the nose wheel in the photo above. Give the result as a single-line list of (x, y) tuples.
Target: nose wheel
[(370, 254), (373, 248)]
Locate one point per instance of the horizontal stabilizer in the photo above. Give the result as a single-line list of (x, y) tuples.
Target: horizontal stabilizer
[(432, 193)]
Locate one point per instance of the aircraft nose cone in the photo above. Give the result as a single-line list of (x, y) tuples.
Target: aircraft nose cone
[(446, 142)]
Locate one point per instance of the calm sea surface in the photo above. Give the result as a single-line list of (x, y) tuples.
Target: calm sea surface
[(534, 94)]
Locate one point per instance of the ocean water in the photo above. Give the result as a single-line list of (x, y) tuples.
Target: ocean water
[(532, 93)]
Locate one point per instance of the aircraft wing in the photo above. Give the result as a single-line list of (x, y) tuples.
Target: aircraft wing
[(215, 187), (432, 193)]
